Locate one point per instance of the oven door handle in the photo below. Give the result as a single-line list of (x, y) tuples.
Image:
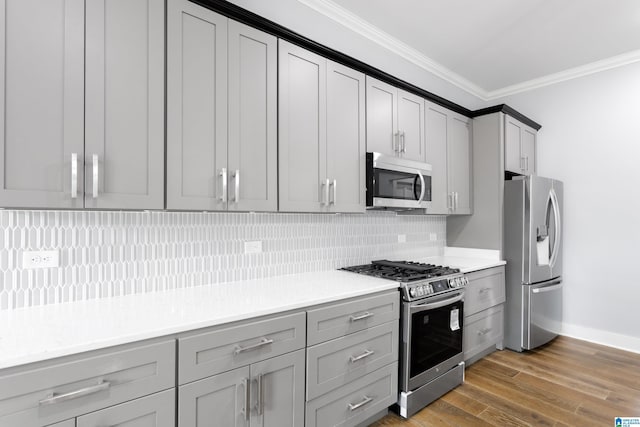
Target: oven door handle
[(436, 304)]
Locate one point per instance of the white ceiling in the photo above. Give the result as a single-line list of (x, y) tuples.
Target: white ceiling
[(493, 48)]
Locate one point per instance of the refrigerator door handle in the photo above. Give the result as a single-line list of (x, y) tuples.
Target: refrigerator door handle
[(547, 289), (558, 228)]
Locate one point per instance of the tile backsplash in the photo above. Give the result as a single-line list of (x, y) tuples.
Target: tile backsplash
[(104, 254)]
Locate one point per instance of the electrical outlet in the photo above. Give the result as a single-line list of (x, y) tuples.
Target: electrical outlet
[(402, 238), (40, 259), (254, 247), (433, 237)]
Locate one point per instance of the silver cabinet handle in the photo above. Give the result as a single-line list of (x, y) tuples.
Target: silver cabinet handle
[(263, 342), (403, 143), (223, 175), (526, 159), (367, 353), (236, 179), (484, 331), (455, 201), (483, 290), (363, 316), (395, 142), (260, 399), (74, 175), (95, 176), (353, 407), (58, 398), (247, 399), (333, 184), (326, 192), (450, 201)]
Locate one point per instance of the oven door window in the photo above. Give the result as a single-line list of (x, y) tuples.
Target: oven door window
[(435, 336), (396, 185)]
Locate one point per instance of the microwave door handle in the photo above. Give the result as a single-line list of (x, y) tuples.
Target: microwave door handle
[(422, 185)]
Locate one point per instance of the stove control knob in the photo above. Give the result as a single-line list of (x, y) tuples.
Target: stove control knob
[(412, 292), (466, 281), (430, 288), (421, 290), (453, 283)]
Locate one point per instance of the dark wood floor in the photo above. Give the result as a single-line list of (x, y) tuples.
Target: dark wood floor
[(564, 383)]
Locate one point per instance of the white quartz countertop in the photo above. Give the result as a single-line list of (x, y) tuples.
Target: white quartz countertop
[(40, 333)]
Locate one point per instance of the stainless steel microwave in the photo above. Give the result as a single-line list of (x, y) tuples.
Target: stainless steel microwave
[(395, 183)]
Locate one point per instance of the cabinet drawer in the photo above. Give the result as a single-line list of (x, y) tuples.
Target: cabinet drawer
[(45, 395), (157, 410), (482, 330), (338, 362), (222, 350), (337, 320), (485, 289), (355, 402)]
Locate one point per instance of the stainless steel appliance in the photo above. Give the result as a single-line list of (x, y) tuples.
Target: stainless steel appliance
[(397, 184), (431, 358), (533, 251)]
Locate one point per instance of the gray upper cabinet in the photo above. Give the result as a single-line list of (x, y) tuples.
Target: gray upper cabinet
[(221, 112), (459, 163), (519, 147), (97, 99), (196, 107), (124, 110), (321, 138), (448, 147), (395, 121), (346, 140), (253, 133), (42, 108), (436, 130)]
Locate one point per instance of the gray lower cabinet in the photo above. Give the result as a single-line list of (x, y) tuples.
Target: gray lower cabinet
[(156, 410), (269, 393), (321, 134), (221, 112), (48, 392), (352, 369), (99, 138), (483, 311), (449, 151)]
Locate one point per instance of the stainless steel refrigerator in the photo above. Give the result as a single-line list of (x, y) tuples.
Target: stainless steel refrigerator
[(533, 251)]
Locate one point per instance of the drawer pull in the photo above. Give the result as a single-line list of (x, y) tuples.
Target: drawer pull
[(58, 398), (366, 400), (483, 290), (263, 342), (484, 331), (366, 315), (367, 353)]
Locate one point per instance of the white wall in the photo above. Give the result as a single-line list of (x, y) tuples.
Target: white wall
[(317, 27), (590, 139)]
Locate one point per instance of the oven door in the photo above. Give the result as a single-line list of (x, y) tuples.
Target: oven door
[(432, 339)]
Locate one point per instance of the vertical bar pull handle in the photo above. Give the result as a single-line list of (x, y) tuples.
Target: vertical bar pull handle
[(333, 184), (326, 192), (395, 144), (404, 142), (236, 178), (260, 399), (95, 176), (223, 175), (74, 175), (247, 399)]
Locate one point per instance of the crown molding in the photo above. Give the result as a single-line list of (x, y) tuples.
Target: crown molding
[(572, 73), (358, 25)]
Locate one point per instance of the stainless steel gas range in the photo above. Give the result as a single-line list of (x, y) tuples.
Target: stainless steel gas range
[(431, 358)]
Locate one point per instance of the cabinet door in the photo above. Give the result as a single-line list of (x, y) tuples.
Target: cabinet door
[(279, 391), (253, 115), (346, 138), (436, 119), (459, 161), (41, 102), (302, 127), (124, 111), (382, 117), (513, 160), (196, 107), (411, 126), (156, 410), (528, 150), (218, 401)]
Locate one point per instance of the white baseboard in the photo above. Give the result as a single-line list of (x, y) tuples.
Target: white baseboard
[(598, 336)]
